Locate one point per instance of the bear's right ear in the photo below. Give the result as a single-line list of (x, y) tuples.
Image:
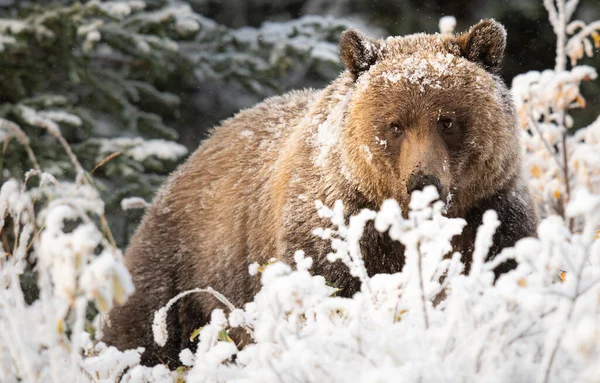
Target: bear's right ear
[(358, 52), (484, 44)]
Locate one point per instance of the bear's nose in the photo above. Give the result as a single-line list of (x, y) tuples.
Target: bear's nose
[(417, 181)]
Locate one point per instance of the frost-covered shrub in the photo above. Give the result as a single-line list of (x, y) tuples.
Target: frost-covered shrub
[(559, 163), (531, 325), (75, 263)]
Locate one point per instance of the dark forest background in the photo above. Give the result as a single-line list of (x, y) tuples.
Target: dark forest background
[(531, 41)]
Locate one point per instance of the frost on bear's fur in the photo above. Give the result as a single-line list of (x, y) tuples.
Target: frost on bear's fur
[(444, 119)]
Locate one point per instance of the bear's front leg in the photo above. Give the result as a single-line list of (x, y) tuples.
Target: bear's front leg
[(518, 219)]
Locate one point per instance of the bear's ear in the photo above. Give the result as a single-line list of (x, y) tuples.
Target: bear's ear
[(484, 44), (358, 52)]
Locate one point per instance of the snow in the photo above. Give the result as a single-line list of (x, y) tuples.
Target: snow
[(237, 318), (218, 319), (302, 262), (483, 240), (140, 149), (422, 71), (5, 41), (104, 271), (583, 202), (13, 26), (32, 117), (447, 24), (61, 116), (159, 324), (110, 362), (253, 269), (187, 358), (381, 142), (133, 203), (246, 133), (328, 132), (325, 52), (367, 152), (186, 26), (15, 130), (90, 39), (345, 239), (157, 374), (118, 8), (162, 149)]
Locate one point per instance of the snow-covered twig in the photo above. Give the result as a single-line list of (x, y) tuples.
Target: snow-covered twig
[(159, 324)]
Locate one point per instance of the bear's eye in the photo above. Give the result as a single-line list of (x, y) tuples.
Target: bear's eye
[(395, 129), (446, 125)]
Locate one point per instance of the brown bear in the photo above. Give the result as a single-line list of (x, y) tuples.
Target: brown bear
[(407, 112)]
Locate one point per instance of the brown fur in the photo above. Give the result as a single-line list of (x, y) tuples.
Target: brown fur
[(247, 194)]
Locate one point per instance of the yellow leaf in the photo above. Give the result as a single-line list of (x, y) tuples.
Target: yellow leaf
[(180, 371), (399, 316), (101, 303), (262, 268), (59, 326), (596, 38), (119, 291), (224, 336), (581, 101), (536, 171), (556, 194), (522, 282), (195, 333), (560, 93), (563, 276), (523, 118)]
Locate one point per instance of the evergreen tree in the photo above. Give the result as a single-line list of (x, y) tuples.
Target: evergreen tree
[(107, 78)]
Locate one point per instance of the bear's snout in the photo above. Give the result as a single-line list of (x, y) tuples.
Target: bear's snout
[(418, 180)]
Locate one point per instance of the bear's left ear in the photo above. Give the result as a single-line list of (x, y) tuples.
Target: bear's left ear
[(484, 44), (358, 52)]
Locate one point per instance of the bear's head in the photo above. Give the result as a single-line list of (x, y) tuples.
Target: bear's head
[(429, 109)]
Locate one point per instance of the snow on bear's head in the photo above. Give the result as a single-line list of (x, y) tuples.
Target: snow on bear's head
[(430, 109)]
